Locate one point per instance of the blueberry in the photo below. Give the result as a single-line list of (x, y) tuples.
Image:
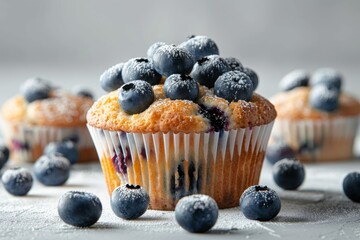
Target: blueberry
[(200, 46), (129, 201), (140, 69), (196, 213), (150, 52), (288, 173), (351, 186), (253, 77), (234, 63), (136, 96), (79, 209), (72, 138), (111, 79), (294, 79), (66, 148), (260, 203), (327, 76), (179, 86), (324, 99), (277, 151), (234, 86), (36, 89), (52, 170), (17, 181), (83, 92), (170, 59), (207, 69), (217, 118), (4, 155)]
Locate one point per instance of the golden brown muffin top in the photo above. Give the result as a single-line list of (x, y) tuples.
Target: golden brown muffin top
[(61, 109), (294, 104), (209, 113)]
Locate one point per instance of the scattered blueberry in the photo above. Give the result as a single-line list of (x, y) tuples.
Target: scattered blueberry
[(323, 98), (80, 209), (170, 59), (136, 96), (17, 181), (260, 203), (52, 170), (277, 151), (66, 148), (288, 173), (294, 79), (196, 213), (129, 201), (83, 92), (150, 52), (207, 69), (234, 63), (234, 86), (179, 86), (72, 138), (351, 186), (140, 69), (253, 77), (111, 79), (36, 89), (4, 155), (200, 46), (327, 76)]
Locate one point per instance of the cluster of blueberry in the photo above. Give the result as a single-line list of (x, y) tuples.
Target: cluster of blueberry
[(325, 86), (194, 62)]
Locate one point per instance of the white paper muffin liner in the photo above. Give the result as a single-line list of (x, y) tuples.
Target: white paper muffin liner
[(318, 140), (172, 165)]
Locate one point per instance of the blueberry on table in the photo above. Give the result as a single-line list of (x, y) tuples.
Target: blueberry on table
[(66, 148), (35, 89), (17, 181), (179, 86), (351, 186), (111, 79), (207, 69), (79, 209), (234, 86), (170, 59), (4, 155), (288, 173), (234, 63), (324, 99), (129, 201), (277, 151), (200, 46), (150, 52), (140, 69), (52, 170), (136, 96), (252, 75), (294, 79), (196, 213), (328, 77)]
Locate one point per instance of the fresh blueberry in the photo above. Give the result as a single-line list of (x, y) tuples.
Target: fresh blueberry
[(111, 79), (179, 86), (260, 203), (253, 77), (136, 96), (140, 69), (129, 201), (277, 151), (234, 63), (323, 98), (4, 155), (327, 76), (17, 181), (288, 173), (83, 92), (52, 170), (196, 213), (66, 148), (150, 52), (207, 69), (79, 209), (294, 79), (72, 138), (170, 59), (234, 86), (351, 186), (36, 89), (200, 46)]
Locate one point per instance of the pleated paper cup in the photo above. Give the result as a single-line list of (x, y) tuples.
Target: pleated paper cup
[(318, 140), (172, 165)]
